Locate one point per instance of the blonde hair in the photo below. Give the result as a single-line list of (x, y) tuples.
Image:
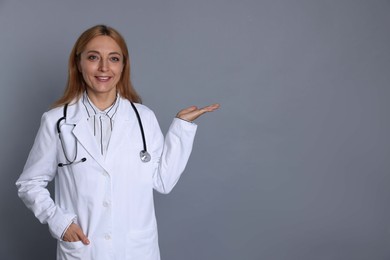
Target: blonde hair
[(76, 85)]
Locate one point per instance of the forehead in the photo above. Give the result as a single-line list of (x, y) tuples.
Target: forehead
[(103, 44)]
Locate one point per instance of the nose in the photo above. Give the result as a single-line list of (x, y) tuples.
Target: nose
[(103, 65)]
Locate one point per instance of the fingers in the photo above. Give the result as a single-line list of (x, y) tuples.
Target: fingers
[(83, 237), (211, 108), (74, 233)]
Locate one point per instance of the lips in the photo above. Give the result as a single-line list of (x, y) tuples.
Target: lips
[(103, 78)]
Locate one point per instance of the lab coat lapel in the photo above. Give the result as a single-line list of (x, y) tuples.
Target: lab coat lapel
[(83, 133)]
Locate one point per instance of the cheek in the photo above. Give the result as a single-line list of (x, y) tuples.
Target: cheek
[(85, 75), (87, 67), (118, 72), (120, 69), (88, 79), (86, 72)]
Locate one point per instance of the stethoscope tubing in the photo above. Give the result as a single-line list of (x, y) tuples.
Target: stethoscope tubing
[(140, 125), (144, 154)]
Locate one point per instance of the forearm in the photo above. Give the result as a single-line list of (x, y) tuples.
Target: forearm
[(176, 151)]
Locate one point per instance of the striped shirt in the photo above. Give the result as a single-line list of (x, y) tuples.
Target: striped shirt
[(101, 122)]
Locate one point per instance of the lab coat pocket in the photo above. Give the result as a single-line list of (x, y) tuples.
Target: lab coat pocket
[(71, 250), (142, 245)]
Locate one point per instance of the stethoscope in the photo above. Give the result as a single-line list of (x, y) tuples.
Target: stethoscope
[(143, 154)]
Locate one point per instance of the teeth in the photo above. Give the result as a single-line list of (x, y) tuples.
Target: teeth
[(103, 78)]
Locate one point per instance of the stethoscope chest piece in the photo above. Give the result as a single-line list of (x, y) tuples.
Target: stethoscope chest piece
[(145, 156)]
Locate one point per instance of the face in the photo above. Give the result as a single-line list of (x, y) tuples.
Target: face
[(101, 64)]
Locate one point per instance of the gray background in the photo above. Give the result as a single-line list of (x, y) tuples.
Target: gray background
[(295, 164)]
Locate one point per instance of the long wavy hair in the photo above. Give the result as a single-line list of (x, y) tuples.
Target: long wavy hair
[(76, 85)]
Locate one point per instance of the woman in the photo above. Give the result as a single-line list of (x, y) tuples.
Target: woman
[(90, 143)]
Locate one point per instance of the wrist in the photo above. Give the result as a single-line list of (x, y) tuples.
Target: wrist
[(184, 119)]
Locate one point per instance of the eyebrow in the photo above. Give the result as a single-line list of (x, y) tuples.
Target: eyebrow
[(114, 52)]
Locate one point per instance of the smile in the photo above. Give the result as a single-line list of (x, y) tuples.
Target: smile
[(103, 79)]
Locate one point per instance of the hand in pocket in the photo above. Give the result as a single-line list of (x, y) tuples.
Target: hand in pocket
[(74, 233)]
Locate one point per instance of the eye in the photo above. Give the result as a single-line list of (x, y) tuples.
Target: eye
[(115, 59), (92, 57)]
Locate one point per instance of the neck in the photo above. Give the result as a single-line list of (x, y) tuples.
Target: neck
[(103, 100)]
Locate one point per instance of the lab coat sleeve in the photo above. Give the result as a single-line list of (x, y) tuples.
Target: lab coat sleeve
[(173, 153), (40, 169)]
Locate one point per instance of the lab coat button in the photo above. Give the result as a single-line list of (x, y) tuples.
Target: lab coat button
[(107, 237), (106, 204)]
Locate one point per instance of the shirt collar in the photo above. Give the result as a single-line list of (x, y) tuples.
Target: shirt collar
[(92, 110)]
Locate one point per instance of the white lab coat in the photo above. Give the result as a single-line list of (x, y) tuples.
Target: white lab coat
[(110, 197)]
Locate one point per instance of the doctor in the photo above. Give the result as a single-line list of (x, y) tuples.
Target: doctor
[(106, 153)]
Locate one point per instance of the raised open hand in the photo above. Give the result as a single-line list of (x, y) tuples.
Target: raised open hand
[(191, 113)]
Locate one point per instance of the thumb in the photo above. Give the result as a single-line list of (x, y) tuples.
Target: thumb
[(186, 110)]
